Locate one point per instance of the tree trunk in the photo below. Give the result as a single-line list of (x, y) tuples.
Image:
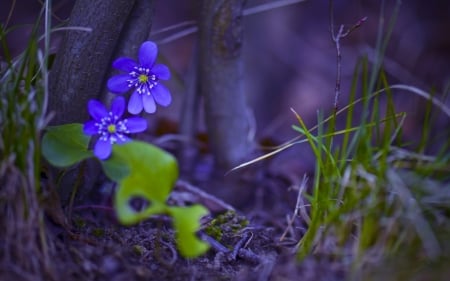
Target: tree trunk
[(135, 31), (83, 63), (221, 80), (85, 57)]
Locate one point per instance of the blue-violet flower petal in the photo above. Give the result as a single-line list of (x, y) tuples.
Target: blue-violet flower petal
[(110, 126), (135, 105), (90, 128), (137, 124), (161, 71), (97, 110), (102, 149), (118, 106), (119, 84), (143, 77), (125, 64), (147, 54), (162, 95), (149, 103)]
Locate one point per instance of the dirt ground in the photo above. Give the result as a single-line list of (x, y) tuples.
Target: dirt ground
[(244, 232)]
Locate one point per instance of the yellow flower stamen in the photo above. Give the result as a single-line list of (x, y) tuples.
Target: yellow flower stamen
[(112, 128), (143, 78)]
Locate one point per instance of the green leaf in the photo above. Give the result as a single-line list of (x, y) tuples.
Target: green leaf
[(116, 167), (148, 173), (186, 221), (65, 145)]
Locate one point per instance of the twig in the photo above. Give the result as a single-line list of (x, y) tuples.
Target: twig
[(249, 256), (174, 256), (336, 39), (241, 244), (185, 191), (216, 245), (299, 209), (95, 207), (242, 253)]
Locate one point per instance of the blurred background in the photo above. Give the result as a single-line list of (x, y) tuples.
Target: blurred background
[(290, 59)]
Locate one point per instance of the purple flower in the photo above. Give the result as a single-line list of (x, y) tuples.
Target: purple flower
[(144, 77), (109, 125)]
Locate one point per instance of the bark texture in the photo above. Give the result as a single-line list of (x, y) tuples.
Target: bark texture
[(135, 31), (83, 64), (221, 74), (84, 57)]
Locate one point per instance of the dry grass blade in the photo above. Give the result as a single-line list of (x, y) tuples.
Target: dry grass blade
[(299, 209), (424, 95), (415, 214), (269, 6)]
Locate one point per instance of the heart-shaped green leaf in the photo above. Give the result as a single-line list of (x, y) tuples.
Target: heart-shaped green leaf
[(116, 167), (186, 221), (152, 173), (65, 145), (147, 174)]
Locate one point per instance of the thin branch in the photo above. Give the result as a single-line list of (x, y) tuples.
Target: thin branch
[(244, 254), (336, 39)]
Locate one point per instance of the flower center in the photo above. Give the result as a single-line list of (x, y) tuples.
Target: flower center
[(143, 80), (111, 129)]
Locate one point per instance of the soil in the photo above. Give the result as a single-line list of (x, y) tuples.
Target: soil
[(248, 247), (249, 212)]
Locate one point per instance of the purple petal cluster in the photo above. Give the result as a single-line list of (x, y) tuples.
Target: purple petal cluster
[(110, 126), (143, 77)]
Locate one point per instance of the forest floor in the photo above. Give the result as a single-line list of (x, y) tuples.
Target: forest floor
[(250, 231)]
